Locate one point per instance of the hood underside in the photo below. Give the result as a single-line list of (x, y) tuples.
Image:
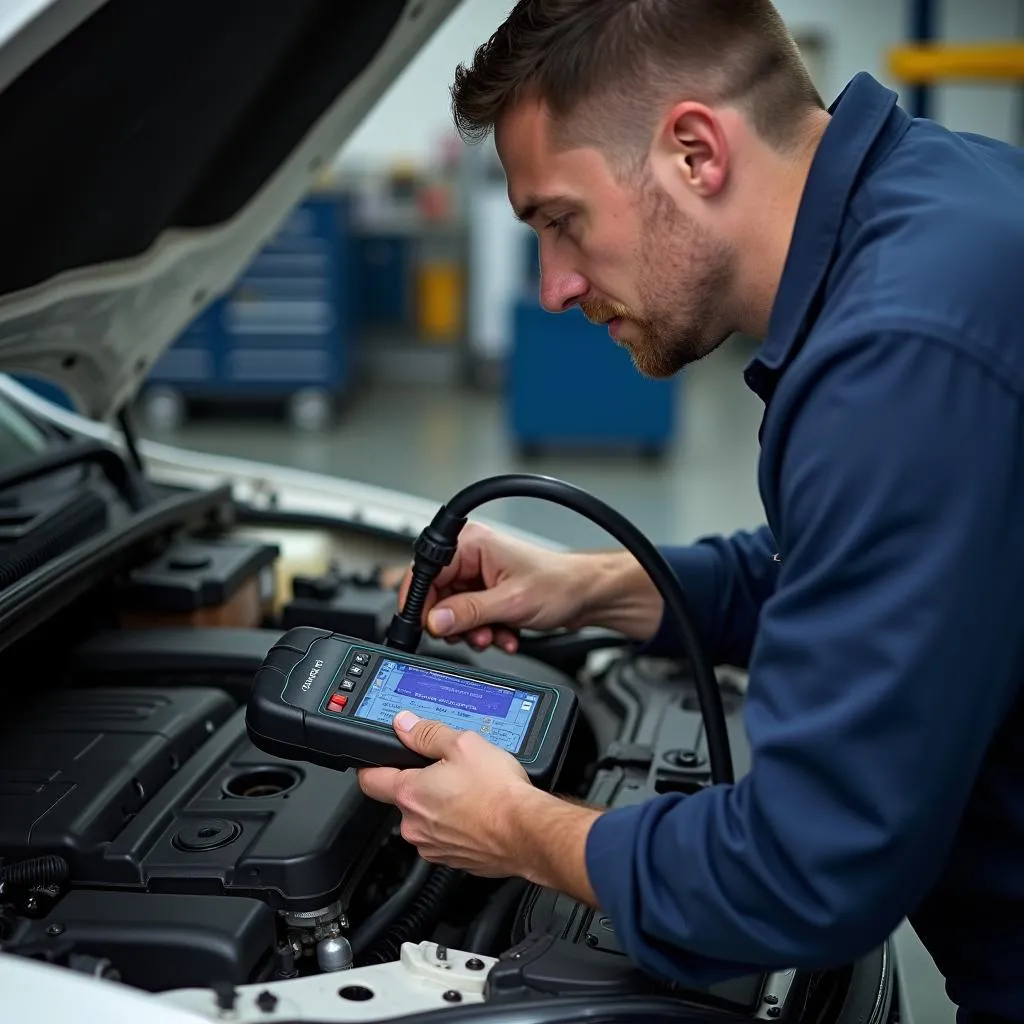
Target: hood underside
[(151, 149)]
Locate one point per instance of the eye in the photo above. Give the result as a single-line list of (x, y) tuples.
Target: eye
[(559, 224)]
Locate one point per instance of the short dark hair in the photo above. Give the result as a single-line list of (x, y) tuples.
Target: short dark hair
[(619, 60)]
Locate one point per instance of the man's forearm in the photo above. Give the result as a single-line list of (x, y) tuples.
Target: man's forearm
[(616, 593), (550, 836)]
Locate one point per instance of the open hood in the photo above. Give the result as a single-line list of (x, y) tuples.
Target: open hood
[(150, 149)]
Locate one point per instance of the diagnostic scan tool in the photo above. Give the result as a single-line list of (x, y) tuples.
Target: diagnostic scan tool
[(331, 700)]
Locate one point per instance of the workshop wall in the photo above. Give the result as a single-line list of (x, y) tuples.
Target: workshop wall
[(988, 110), (409, 122)]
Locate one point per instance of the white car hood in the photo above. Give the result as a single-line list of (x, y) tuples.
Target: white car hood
[(180, 159)]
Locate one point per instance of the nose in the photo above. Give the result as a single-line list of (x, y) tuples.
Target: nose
[(560, 287)]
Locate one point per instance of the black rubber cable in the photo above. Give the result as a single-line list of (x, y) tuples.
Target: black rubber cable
[(482, 935), (26, 874), (417, 922), (391, 909), (436, 546)]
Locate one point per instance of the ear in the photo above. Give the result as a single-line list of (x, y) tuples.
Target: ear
[(693, 140)]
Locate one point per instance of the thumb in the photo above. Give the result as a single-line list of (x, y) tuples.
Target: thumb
[(461, 613), (431, 739)]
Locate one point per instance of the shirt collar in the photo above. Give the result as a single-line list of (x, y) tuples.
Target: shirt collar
[(859, 118)]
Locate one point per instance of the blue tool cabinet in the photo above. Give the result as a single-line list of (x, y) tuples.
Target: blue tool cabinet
[(570, 386), (284, 331), (382, 273)]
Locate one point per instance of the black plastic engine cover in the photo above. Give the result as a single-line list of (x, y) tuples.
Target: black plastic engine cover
[(77, 766), (193, 574), (159, 942), (340, 606), (563, 947), (161, 791), (579, 951)]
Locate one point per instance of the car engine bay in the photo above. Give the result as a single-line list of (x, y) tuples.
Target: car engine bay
[(144, 840)]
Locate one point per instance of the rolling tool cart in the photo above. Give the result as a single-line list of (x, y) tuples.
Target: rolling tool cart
[(282, 334), (569, 386)]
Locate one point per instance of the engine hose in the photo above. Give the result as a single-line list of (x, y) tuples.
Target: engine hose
[(483, 933), (391, 909), (26, 874), (421, 916)]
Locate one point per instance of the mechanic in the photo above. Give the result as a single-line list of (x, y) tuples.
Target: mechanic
[(686, 183)]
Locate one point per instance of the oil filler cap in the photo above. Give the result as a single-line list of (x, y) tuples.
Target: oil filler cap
[(200, 836)]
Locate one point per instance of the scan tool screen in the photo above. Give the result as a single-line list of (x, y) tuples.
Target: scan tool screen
[(501, 714)]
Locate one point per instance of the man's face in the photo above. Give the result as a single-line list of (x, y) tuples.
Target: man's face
[(622, 250)]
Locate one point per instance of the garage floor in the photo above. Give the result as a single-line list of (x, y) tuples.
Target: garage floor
[(431, 442)]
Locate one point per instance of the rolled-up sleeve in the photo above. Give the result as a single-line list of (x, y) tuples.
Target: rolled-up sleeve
[(882, 667)]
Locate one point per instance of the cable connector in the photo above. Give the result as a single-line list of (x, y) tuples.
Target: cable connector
[(434, 549), (403, 634), (437, 544), (434, 552)]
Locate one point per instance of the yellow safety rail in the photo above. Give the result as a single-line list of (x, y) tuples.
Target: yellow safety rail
[(926, 63)]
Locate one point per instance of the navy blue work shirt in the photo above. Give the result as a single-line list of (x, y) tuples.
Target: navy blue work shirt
[(885, 644)]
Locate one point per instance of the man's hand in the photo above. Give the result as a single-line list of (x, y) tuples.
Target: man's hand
[(497, 585), (454, 811), (475, 809)]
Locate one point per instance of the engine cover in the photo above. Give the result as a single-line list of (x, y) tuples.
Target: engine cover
[(162, 791), (566, 948), (152, 796)]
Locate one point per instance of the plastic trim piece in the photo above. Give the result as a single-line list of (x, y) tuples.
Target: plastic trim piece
[(35, 598), (176, 650)]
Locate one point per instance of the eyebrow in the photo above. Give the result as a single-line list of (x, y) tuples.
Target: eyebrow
[(529, 210)]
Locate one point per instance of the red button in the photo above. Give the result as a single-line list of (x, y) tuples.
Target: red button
[(337, 702)]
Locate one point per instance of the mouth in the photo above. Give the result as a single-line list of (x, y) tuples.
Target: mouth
[(615, 326)]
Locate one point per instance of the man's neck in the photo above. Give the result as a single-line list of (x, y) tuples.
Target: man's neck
[(766, 234)]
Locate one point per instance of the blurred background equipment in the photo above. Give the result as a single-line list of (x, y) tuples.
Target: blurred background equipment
[(568, 389), (390, 331), (283, 334)]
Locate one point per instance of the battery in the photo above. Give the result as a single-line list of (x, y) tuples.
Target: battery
[(203, 582)]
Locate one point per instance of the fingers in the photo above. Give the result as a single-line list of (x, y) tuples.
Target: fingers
[(379, 783), (463, 605), (507, 639), (442, 619), (475, 610), (467, 565), (393, 576), (480, 639), (499, 636), (458, 577), (431, 739)]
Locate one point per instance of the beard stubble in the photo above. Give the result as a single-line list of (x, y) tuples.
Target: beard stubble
[(683, 274)]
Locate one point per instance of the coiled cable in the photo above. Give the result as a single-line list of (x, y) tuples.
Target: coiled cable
[(436, 546), (27, 874), (391, 909), (422, 915)]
